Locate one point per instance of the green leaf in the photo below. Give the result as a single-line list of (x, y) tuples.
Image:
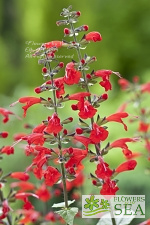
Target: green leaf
[(68, 214), (62, 204), (119, 220)]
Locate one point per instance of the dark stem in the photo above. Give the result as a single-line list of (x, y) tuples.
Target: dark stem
[(59, 145), (8, 216)]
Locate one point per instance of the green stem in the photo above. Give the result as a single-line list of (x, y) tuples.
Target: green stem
[(59, 146), (8, 216)]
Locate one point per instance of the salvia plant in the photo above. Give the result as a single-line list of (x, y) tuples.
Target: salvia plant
[(57, 150)]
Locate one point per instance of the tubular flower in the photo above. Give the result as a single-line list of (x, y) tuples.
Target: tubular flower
[(5, 210), (5, 113), (145, 87), (7, 150), (35, 138), (109, 187), (117, 117), (52, 44), (72, 76), (98, 134), (124, 84), (121, 143), (78, 96), (29, 101), (23, 186), (86, 109), (76, 157), (93, 36), (105, 75), (20, 176), (43, 193), (128, 165), (54, 125), (84, 140), (143, 127), (51, 175), (30, 216), (103, 171)]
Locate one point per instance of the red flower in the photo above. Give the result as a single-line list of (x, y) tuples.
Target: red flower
[(29, 102), (50, 217), (76, 157), (143, 127), (86, 109), (51, 175), (106, 84), (39, 129), (84, 140), (109, 187), (43, 193), (117, 118), (78, 96), (30, 216), (23, 185), (7, 150), (19, 136), (128, 165), (121, 143), (54, 125), (104, 74), (98, 134), (5, 210), (20, 176), (35, 138), (124, 83), (93, 36), (5, 113), (145, 87), (72, 76), (103, 171), (147, 222), (52, 44)]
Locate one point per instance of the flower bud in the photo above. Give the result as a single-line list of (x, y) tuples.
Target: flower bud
[(88, 76), (74, 107), (44, 70), (85, 27), (4, 134), (37, 90), (61, 65), (79, 130), (66, 31)]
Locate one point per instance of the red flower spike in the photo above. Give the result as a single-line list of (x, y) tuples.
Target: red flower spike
[(52, 44), (117, 117), (98, 134), (20, 176), (7, 150), (44, 70), (4, 134), (43, 193), (128, 165), (5, 113), (29, 102), (51, 176), (54, 125), (93, 36), (72, 76), (109, 187), (103, 171)]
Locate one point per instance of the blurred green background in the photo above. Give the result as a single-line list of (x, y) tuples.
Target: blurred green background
[(125, 28)]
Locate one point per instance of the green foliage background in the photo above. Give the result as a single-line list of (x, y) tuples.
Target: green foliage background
[(125, 28)]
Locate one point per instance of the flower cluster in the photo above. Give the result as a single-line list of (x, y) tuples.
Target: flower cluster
[(53, 145)]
